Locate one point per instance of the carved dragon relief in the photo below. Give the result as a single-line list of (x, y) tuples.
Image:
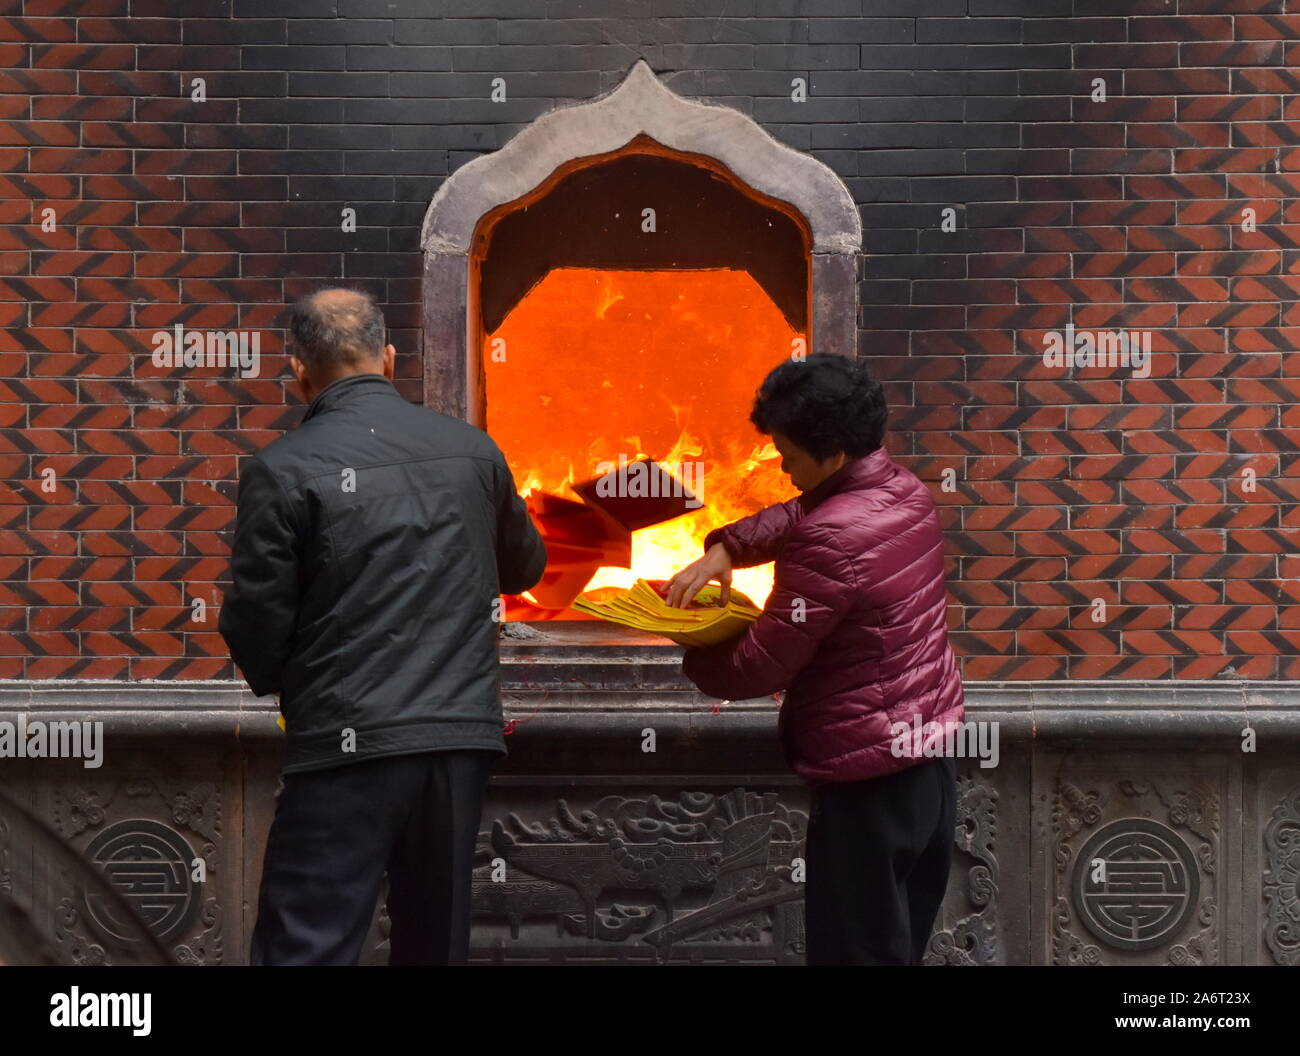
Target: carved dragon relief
[(702, 870)]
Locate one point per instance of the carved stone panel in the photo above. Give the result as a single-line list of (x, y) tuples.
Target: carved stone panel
[(649, 871), (1280, 893), (1137, 865), (158, 837)]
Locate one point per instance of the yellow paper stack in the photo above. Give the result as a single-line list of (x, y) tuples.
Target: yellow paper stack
[(706, 621)]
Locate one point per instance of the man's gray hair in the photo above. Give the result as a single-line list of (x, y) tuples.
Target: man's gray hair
[(332, 330)]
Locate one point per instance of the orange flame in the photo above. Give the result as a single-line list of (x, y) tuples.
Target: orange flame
[(644, 364)]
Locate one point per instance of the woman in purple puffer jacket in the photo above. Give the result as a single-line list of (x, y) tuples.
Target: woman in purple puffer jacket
[(856, 635)]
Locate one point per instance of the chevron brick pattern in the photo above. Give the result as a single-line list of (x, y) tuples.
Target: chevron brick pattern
[(1099, 524)]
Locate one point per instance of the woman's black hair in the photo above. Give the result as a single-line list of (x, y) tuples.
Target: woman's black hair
[(825, 403)]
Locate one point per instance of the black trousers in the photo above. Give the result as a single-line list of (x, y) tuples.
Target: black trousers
[(877, 856), (337, 831)]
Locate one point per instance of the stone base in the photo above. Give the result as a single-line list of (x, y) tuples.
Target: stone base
[(1123, 824)]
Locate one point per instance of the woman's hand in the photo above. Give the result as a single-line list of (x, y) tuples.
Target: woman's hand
[(716, 564)]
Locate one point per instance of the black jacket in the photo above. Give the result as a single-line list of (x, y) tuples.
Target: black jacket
[(371, 544)]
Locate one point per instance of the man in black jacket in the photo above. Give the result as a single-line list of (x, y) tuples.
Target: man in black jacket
[(371, 545)]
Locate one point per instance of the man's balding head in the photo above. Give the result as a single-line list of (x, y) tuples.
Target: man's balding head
[(337, 332)]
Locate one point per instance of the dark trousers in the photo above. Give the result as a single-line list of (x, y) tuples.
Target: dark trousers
[(337, 831), (877, 857)]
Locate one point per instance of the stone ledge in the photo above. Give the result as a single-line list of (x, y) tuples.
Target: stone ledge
[(1210, 714)]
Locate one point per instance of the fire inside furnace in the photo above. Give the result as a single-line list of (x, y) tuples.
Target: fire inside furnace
[(595, 370)]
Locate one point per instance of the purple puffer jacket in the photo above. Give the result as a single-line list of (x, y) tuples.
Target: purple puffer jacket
[(855, 628)]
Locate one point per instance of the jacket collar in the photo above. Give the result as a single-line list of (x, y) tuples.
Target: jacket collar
[(869, 471), (344, 389)]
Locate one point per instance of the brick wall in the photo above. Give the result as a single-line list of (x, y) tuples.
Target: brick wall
[(1069, 486)]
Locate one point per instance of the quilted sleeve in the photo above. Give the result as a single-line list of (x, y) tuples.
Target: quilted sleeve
[(814, 590), (758, 538)]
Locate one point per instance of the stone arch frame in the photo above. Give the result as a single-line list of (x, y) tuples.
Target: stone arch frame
[(640, 106)]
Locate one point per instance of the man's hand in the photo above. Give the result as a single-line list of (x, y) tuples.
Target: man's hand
[(716, 564)]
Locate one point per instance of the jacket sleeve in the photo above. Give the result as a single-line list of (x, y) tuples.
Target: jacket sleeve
[(758, 538), (521, 553), (259, 613), (815, 587)]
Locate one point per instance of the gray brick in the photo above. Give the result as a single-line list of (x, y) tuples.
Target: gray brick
[(807, 56), (637, 8), (877, 188), (448, 31), (489, 8), (340, 31), (709, 8), (845, 162), (968, 30), (299, 57), (350, 188), (243, 85), (390, 9), (964, 57), (397, 162), (236, 137), (1032, 8), (289, 162), (713, 56), (797, 136), (750, 30), (915, 135), (815, 110), (967, 82), (774, 83), (443, 111), (519, 85), (928, 265), (168, 56), (924, 108), (483, 111), (1088, 30), (561, 57), (887, 239), (369, 57), (860, 30), (291, 111), (973, 240), (222, 31), (1021, 162), (366, 85), (865, 83), (809, 8), (909, 162), (353, 137), (963, 189), (1066, 82), (284, 8), (914, 216), (446, 137), (1017, 108), (556, 31), (396, 111)]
